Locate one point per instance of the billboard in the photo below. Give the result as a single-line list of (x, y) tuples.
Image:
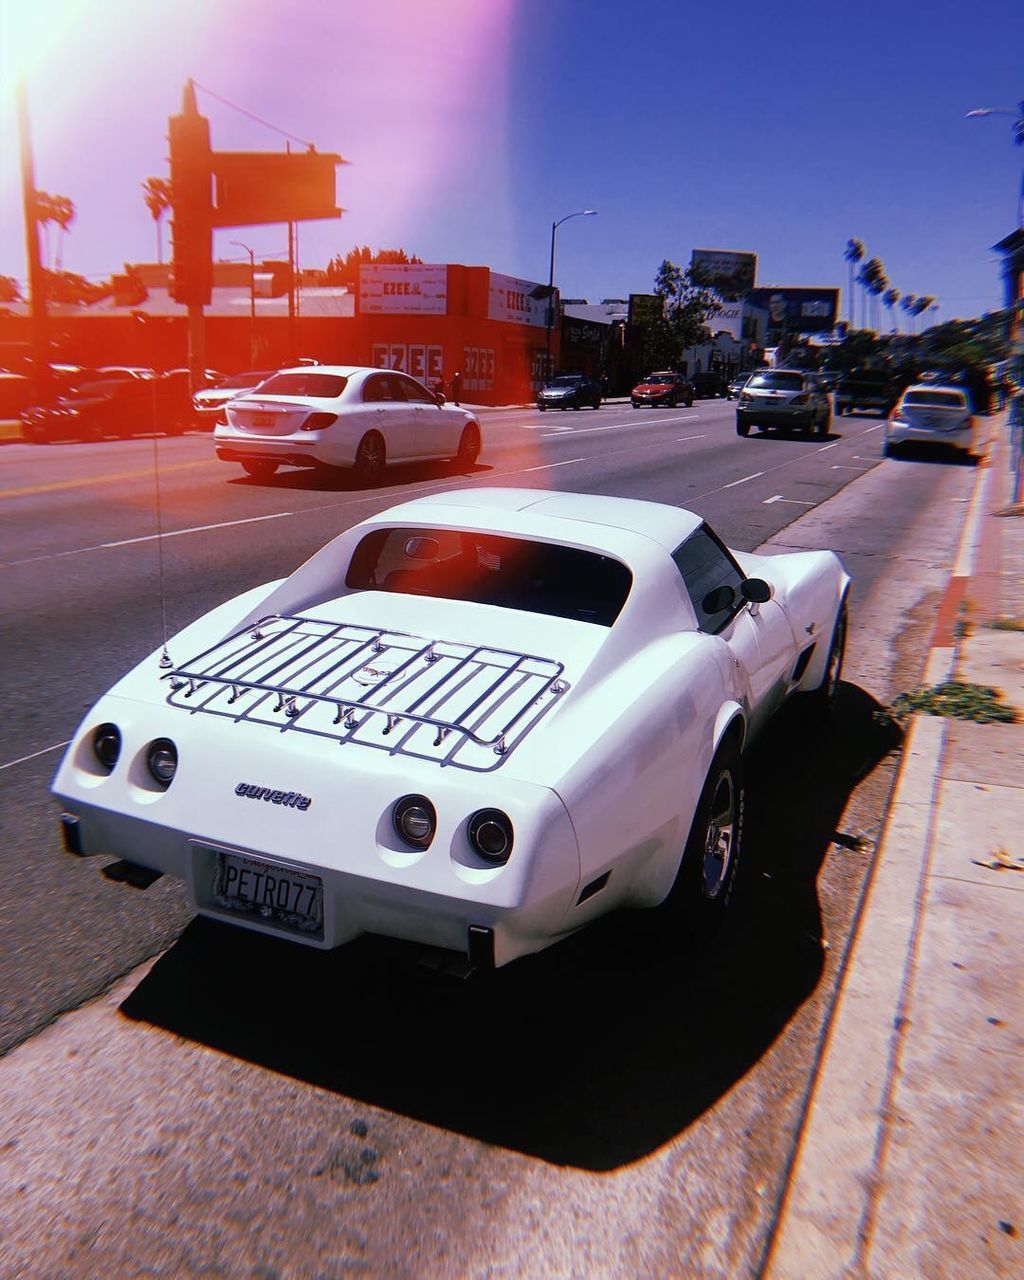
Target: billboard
[(515, 301), (403, 289), (729, 272), (645, 309), (796, 310)]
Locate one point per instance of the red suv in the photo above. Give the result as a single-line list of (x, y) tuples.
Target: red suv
[(666, 387)]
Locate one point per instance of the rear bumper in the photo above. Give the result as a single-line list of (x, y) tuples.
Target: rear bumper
[(960, 438), (260, 453), (797, 419)]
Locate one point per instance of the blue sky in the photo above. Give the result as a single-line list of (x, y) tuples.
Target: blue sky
[(472, 124)]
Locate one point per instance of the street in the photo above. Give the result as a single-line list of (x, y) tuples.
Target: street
[(617, 1105)]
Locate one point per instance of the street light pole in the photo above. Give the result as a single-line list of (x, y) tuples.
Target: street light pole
[(581, 213), (252, 301), (1017, 114)]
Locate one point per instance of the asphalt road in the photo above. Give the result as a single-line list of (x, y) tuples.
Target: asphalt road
[(617, 1105)]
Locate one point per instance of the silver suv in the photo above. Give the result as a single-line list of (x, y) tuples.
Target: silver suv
[(789, 398)]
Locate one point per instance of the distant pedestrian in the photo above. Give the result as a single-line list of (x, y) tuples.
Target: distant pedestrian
[(456, 387)]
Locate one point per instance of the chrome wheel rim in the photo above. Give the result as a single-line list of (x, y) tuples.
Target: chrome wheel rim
[(719, 841), (371, 456)]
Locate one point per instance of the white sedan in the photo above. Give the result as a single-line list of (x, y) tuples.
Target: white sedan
[(929, 413), (343, 416), (476, 721)]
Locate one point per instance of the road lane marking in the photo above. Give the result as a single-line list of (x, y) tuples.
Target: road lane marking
[(83, 482), (683, 439), (734, 483), (840, 466), (833, 445), (800, 502), (35, 754)]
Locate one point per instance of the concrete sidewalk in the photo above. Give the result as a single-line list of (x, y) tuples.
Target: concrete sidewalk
[(910, 1159)]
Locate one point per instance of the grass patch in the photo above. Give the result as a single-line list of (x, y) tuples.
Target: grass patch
[(957, 700)]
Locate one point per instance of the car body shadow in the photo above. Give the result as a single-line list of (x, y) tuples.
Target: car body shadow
[(592, 1054), (922, 451), (345, 481)]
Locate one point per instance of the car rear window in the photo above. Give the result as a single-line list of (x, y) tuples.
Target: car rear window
[(936, 399), (512, 573), (777, 381), (325, 386)]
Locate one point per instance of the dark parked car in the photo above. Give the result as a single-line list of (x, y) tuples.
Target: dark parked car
[(709, 384), (734, 388), (569, 391), (664, 388), (873, 390), (112, 401)]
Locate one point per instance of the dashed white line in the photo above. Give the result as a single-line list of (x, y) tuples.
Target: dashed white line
[(734, 483)]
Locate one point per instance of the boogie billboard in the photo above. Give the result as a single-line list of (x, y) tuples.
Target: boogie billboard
[(729, 272)]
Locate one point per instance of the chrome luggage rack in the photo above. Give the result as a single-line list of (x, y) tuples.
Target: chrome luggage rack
[(291, 670)]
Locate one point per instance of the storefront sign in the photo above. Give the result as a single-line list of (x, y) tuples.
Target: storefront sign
[(401, 288), (516, 301)]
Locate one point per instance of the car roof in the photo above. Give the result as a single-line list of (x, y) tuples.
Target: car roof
[(528, 511), (340, 370)]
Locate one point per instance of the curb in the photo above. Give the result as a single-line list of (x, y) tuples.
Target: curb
[(827, 1207)]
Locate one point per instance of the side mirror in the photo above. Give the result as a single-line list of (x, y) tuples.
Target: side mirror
[(755, 590), (718, 598)]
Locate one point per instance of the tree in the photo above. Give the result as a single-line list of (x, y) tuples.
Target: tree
[(853, 254), (892, 296), (686, 307), (157, 194), (923, 304), (60, 211), (907, 305), (345, 270)]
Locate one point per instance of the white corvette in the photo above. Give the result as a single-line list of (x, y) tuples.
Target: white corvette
[(477, 721)]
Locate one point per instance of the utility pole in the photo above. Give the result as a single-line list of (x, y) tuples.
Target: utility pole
[(36, 275)]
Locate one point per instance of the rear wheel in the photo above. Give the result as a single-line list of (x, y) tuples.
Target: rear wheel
[(371, 457), (742, 427), (259, 468), (469, 447), (707, 874)]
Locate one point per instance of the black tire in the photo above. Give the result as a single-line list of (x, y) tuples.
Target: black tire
[(542, 408), (635, 404), (825, 425), (577, 406), (707, 874), (822, 701), (742, 426), (469, 447), (891, 450), (259, 468), (371, 458), (596, 404), (689, 402)]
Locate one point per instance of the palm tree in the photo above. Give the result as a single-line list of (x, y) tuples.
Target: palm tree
[(892, 296), (907, 305), (923, 304), (157, 194), (853, 253), (59, 210), (873, 281)]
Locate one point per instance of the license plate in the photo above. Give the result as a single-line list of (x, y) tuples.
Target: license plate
[(280, 896), (262, 419)]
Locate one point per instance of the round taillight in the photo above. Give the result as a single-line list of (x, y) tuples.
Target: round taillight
[(106, 745), (490, 834), (162, 761), (415, 820)]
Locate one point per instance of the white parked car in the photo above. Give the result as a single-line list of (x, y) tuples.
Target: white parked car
[(477, 721), (343, 416), (929, 413), (209, 403)]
